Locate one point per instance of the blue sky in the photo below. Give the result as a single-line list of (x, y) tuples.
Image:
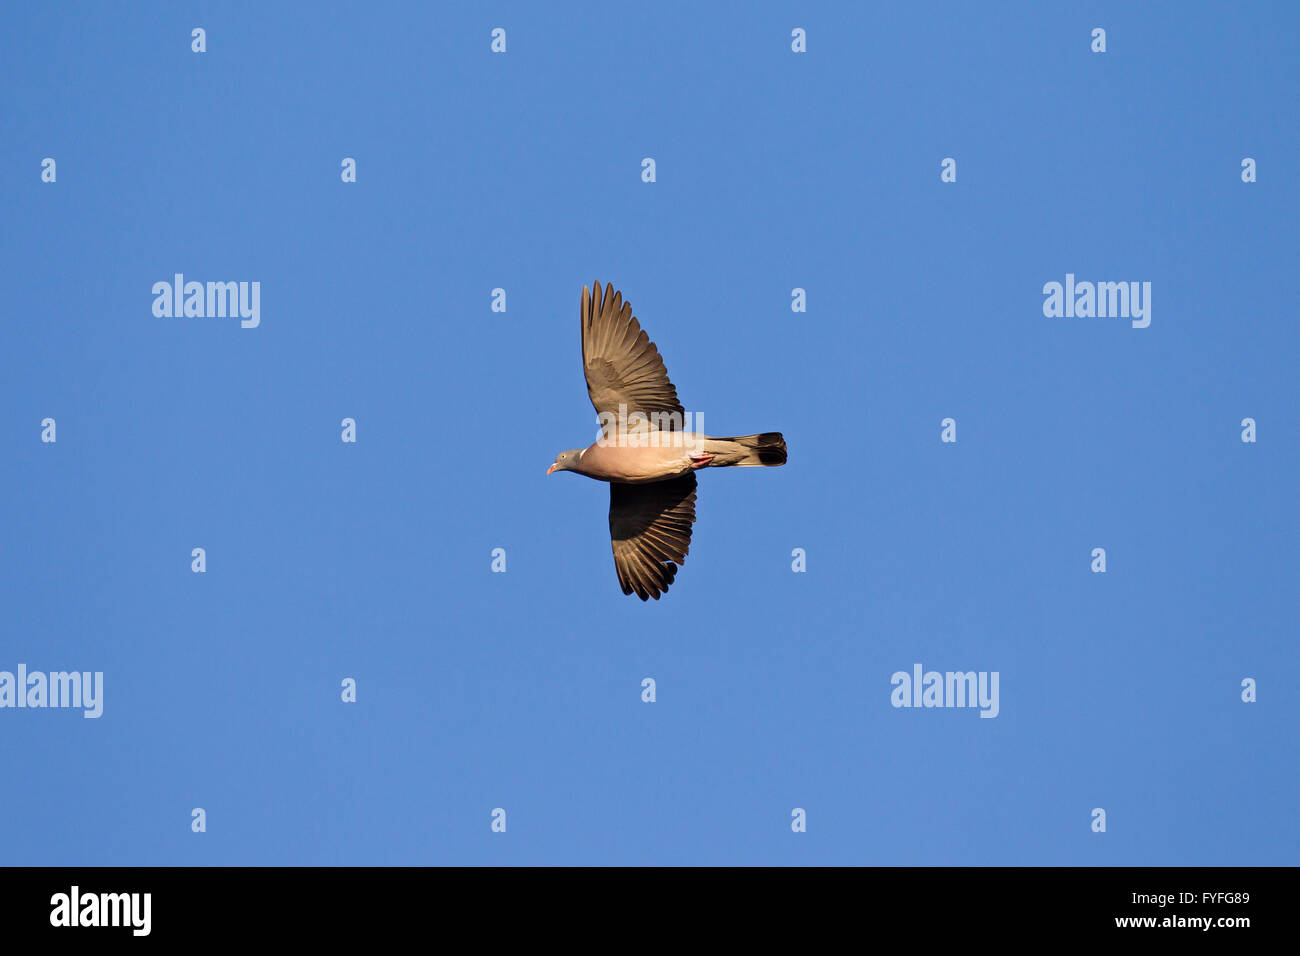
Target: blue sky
[(522, 690)]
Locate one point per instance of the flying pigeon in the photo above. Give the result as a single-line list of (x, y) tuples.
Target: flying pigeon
[(644, 451)]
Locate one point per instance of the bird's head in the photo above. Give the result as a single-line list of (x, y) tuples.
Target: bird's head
[(566, 460)]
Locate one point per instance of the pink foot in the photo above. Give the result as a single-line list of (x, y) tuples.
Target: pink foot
[(699, 461)]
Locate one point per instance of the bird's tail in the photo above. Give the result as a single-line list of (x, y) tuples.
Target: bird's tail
[(745, 450)]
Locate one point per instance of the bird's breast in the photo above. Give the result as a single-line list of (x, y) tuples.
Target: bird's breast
[(633, 463)]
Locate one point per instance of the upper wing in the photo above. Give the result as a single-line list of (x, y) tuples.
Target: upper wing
[(650, 526), (622, 365)]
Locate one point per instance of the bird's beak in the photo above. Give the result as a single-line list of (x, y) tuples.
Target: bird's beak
[(551, 469)]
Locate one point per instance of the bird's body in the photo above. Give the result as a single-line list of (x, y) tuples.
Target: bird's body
[(656, 456), (644, 454), (633, 465)]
